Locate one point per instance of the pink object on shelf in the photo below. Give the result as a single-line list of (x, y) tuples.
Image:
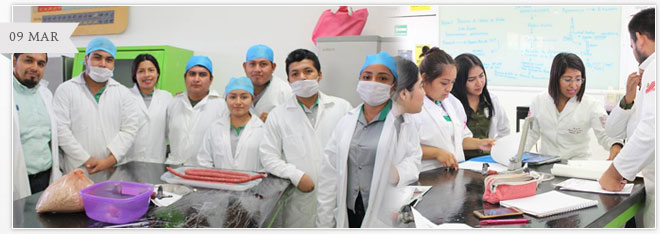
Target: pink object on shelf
[(341, 23)]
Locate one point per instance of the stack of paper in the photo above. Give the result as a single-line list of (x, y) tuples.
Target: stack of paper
[(590, 186)]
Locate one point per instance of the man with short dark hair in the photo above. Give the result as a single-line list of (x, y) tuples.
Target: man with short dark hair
[(269, 90), (36, 160), (191, 113), (296, 133), (634, 117), (97, 116)]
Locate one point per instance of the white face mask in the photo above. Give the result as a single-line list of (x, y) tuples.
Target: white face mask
[(99, 74), (373, 93), (305, 88)]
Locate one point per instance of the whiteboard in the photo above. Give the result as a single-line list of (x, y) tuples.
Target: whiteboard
[(517, 43)]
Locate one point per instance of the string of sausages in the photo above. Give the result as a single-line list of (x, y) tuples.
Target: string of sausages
[(216, 175)]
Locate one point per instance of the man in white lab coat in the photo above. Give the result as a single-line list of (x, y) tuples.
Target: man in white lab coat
[(96, 116), (269, 91), (296, 133), (634, 118), (191, 113), (36, 161)]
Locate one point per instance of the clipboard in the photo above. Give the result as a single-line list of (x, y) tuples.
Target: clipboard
[(534, 159)]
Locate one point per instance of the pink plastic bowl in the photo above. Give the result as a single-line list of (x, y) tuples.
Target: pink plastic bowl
[(116, 201)]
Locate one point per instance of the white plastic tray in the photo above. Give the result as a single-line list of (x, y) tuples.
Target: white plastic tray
[(173, 179)]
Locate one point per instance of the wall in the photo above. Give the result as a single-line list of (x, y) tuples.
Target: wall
[(422, 26), (224, 33)]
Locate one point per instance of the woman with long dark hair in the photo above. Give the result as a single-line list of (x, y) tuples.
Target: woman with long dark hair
[(485, 116), (441, 124), (150, 142)]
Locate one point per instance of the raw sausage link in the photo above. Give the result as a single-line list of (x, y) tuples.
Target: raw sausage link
[(216, 179), (212, 174), (206, 170)]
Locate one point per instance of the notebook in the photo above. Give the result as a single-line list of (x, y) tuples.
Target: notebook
[(550, 203)]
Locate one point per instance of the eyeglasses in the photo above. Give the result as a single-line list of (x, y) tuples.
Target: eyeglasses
[(571, 80)]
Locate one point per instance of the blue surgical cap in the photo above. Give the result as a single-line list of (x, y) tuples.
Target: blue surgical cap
[(381, 58), (101, 43), (242, 82), (259, 51), (200, 60)]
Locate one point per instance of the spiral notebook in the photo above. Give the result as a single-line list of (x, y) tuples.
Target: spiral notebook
[(550, 203)]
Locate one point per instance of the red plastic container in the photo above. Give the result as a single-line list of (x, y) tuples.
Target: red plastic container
[(116, 201)]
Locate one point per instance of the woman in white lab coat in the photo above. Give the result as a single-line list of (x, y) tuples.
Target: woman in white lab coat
[(232, 141), (367, 164), (564, 115), (441, 124), (150, 142), (485, 116)]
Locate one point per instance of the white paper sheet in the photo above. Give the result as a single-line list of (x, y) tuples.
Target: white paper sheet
[(505, 148), (590, 186), (423, 222)]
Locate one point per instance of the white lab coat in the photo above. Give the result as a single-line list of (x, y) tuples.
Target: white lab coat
[(430, 124), (637, 125), (499, 123), (400, 149), (277, 92), (20, 180), (150, 142), (89, 129), (292, 147), (187, 125), (566, 134), (216, 147)]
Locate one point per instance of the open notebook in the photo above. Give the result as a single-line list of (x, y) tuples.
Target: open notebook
[(550, 203)]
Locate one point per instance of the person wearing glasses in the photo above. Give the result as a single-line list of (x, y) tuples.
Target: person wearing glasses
[(564, 115)]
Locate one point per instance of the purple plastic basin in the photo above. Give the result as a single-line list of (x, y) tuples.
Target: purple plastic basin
[(116, 201)]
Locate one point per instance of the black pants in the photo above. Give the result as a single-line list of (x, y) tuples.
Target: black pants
[(39, 181), (355, 218)]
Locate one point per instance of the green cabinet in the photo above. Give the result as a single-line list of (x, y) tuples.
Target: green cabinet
[(172, 62)]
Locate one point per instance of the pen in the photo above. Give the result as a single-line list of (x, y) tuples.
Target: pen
[(504, 221), (130, 225)]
